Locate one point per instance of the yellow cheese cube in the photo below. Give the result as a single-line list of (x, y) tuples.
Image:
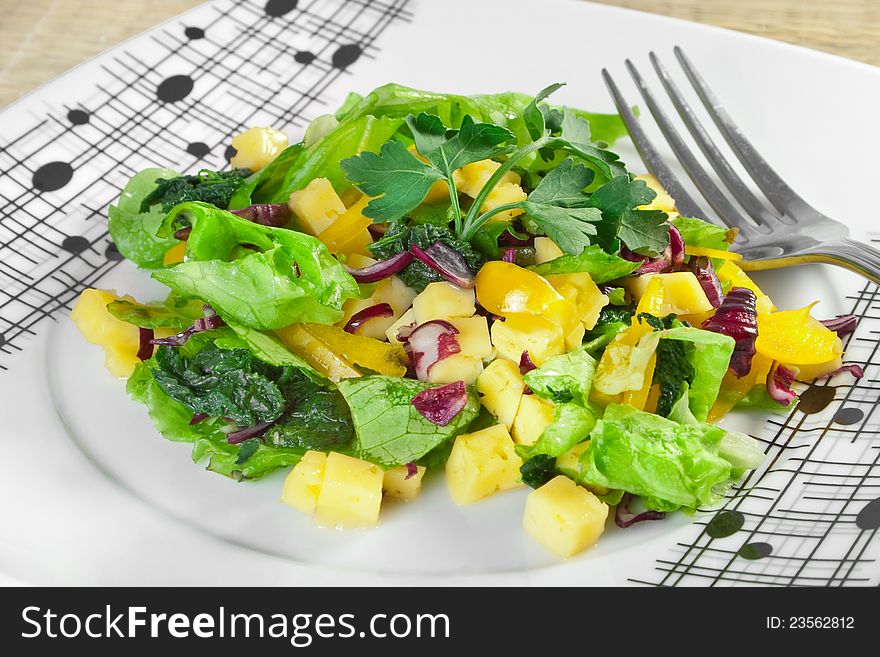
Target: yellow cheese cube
[(682, 293), (519, 333), (471, 178), (456, 367), (257, 147), (533, 416), (303, 483), (407, 318), (351, 493), (502, 194), (392, 291), (546, 250), (316, 206), (663, 201), (482, 464), (443, 300), (473, 336), (564, 517), (399, 485), (501, 388)]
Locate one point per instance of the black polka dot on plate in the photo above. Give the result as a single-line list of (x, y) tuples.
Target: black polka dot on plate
[(276, 8), (869, 516), (198, 149), (849, 415), (753, 551), (52, 176), (112, 253), (78, 117), (304, 57), (346, 55), (725, 523), (75, 244), (175, 88), (230, 153), (193, 33)]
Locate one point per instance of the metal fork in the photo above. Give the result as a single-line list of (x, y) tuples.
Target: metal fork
[(796, 233)]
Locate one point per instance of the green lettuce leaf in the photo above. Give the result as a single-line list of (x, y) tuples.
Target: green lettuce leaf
[(601, 266), (566, 381), (297, 165), (133, 231), (710, 358), (291, 277), (670, 465), (390, 431), (696, 232)]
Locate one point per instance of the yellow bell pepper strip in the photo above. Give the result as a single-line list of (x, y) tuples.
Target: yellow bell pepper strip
[(335, 353), (653, 301), (639, 398), (174, 255), (731, 273), (734, 388), (505, 289), (589, 299), (624, 364), (346, 229), (718, 254), (794, 337)]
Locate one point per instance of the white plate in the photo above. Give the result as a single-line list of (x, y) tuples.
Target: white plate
[(90, 494)]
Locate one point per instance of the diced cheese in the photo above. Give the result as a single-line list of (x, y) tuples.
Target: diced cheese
[(351, 493), (471, 178), (501, 388), (519, 333), (564, 517), (533, 416), (302, 485), (257, 147), (481, 464), (443, 300), (399, 484), (473, 336), (390, 290), (546, 250), (316, 206), (405, 319), (456, 367)]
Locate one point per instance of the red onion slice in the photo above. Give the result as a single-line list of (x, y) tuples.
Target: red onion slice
[(624, 518), (240, 435), (411, 469), (676, 246), (842, 324), (430, 343), (441, 404), (704, 271), (525, 363), (509, 255), (737, 317), (363, 316), (447, 262), (275, 215), (209, 322), (381, 270), (856, 370), (779, 383), (197, 417), (145, 347)]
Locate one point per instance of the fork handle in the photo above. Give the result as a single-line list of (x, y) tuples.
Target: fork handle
[(851, 254)]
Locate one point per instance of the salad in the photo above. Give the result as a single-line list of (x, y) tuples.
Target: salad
[(470, 285)]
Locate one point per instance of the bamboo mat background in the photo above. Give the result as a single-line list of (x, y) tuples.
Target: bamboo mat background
[(43, 38)]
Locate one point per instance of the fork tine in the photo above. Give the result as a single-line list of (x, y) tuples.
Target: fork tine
[(750, 203), (716, 198), (649, 154), (783, 197)]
